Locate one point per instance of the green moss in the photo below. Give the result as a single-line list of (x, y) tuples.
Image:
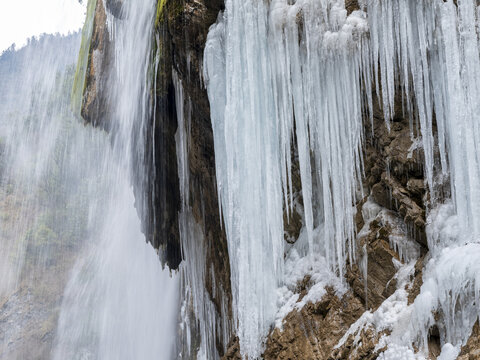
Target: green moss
[(160, 10), (83, 58)]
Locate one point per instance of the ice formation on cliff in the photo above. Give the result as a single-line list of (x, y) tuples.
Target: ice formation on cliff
[(300, 72), (269, 79)]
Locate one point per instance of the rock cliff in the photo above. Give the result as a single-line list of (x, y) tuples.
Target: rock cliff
[(391, 214), (180, 33)]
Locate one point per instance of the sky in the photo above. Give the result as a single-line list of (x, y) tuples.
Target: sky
[(21, 19)]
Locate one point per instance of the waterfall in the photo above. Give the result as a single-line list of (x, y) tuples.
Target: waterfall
[(49, 190), (203, 320), (31, 75), (120, 303), (72, 226)]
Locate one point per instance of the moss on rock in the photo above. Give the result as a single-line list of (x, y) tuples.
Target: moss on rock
[(83, 58), (160, 8)]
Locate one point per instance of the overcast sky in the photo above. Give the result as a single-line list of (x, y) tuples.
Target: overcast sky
[(21, 19)]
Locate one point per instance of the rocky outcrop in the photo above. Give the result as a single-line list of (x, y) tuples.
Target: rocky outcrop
[(471, 350), (313, 332), (180, 34), (94, 104), (316, 331), (379, 283), (182, 28), (394, 179), (394, 168)]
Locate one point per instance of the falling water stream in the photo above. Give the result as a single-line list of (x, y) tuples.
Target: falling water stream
[(69, 222), (120, 303)]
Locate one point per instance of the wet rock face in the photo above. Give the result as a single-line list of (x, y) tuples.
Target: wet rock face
[(394, 169), (95, 108), (157, 195), (181, 29), (292, 217), (115, 8), (182, 32)]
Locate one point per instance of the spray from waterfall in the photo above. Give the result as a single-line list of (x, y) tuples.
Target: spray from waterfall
[(120, 303), (72, 226)]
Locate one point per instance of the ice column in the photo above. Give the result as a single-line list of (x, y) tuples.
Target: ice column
[(279, 74), (248, 164)]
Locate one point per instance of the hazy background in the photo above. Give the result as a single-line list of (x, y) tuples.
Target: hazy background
[(21, 19)]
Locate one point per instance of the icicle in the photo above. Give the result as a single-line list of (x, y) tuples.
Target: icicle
[(273, 72), (436, 49), (194, 269)]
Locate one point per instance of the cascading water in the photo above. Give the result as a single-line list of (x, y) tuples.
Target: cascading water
[(31, 75), (47, 185), (119, 302), (68, 191), (203, 319)]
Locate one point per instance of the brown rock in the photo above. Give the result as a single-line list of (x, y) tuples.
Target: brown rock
[(394, 169), (312, 332), (471, 350), (182, 31), (362, 349), (351, 5), (380, 282), (417, 283), (381, 270), (233, 350), (95, 104)]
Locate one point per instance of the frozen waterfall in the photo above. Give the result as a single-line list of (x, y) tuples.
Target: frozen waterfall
[(287, 74), (272, 83)]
